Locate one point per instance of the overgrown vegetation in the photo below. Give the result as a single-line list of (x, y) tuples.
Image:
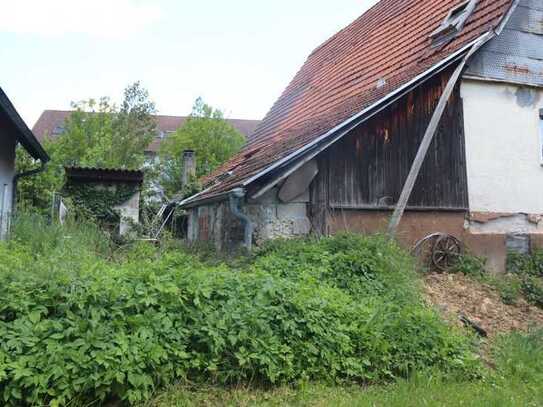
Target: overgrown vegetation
[(516, 381), (98, 201), (82, 321), (524, 276)]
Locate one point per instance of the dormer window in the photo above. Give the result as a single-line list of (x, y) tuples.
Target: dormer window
[(453, 23)]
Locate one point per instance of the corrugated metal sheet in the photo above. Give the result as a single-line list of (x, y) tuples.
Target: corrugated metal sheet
[(517, 54), (527, 19), (533, 4)]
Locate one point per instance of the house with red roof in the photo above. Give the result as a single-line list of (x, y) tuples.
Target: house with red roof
[(51, 124), (422, 119)]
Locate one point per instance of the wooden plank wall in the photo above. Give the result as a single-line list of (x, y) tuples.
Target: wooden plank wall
[(367, 168)]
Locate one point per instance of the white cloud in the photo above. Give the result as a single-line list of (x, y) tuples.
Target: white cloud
[(97, 18)]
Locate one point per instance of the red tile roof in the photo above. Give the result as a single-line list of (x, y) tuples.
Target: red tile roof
[(390, 42), (52, 119)]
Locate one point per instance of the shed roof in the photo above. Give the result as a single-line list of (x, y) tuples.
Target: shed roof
[(95, 174), (386, 48), (23, 133)]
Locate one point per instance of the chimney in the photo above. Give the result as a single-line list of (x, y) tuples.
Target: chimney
[(189, 166)]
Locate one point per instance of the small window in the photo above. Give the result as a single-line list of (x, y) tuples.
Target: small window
[(58, 130), (453, 23)]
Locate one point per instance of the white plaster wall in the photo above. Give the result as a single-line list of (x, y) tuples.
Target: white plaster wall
[(129, 212), (503, 147), (7, 171)]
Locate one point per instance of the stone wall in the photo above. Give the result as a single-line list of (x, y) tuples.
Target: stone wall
[(274, 219), (271, 219)]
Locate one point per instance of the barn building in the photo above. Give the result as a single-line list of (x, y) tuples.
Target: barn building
[(421, 116)]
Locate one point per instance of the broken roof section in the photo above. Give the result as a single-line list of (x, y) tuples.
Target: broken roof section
[(368, 62)]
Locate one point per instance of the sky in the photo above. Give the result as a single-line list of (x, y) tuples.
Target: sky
[(239, 55)]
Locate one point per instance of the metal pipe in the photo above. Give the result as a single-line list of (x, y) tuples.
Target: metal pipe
[(235, 199), (20, 175)]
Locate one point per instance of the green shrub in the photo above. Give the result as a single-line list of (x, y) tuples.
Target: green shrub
[(509, 287), (532, 287), (529, 271), (79, 328), (470, 266), (523, 264), (360, 265)]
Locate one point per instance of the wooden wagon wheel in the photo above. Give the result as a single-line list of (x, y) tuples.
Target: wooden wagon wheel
[(446, 252)]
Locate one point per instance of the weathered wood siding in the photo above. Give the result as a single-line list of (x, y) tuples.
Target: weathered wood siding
[(367, 168)]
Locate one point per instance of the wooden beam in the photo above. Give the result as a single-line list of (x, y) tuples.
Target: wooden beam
[(427, 140)]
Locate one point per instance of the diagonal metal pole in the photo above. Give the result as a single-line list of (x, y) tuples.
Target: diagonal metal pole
[(427, 140)]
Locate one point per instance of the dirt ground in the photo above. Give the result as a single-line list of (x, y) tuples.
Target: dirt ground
[(456, 294)]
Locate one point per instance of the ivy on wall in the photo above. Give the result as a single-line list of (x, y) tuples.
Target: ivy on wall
[(99, 199)]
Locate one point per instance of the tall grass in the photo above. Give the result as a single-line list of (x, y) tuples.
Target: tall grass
[(42, 237), (516, 381)]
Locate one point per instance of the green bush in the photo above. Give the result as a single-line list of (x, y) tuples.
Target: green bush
[(523, 264), (529, 271), (79, 327), (532, 287), (470, 266)]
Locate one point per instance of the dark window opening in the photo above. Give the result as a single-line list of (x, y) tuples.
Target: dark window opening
[(453, 23)]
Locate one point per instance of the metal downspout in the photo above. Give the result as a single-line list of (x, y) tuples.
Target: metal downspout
[(235, 198), (20, 175)]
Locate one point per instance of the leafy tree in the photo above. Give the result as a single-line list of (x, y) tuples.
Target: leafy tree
[(209, 135), (97, 134), (100, 134)]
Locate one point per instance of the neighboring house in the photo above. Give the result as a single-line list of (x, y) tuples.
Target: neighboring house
[(335, 151), (13, 131), (51, 124)]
